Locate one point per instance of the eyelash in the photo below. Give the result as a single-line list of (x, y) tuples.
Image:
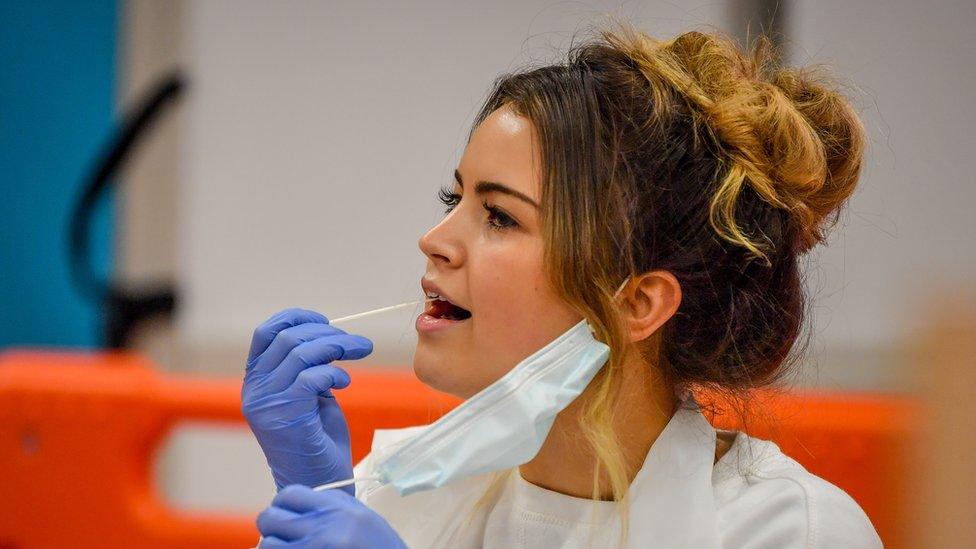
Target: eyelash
[(451, 199)]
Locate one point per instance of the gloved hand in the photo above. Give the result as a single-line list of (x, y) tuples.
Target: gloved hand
[(287, 398), (300, 517)]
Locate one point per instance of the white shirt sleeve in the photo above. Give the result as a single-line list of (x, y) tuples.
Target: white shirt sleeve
[(840, 521)]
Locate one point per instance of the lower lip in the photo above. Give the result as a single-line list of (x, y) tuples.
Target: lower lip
[(427, 323)]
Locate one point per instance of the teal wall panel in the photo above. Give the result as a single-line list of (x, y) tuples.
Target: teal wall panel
[(57, 95)]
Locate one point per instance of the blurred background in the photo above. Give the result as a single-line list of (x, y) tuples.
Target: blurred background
[(297, 147)]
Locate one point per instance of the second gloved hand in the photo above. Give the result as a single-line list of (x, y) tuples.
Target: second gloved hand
[(287, 400), (301, 518)]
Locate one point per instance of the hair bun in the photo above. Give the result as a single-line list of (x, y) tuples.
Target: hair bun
[(783, 131), (817, 154)]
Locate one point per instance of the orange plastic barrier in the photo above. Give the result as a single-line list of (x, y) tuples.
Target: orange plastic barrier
[(78, 434)]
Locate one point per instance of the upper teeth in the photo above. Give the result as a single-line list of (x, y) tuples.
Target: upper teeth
[(432, 294)]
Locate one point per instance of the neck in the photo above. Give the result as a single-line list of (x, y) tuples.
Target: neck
[(642, 408)]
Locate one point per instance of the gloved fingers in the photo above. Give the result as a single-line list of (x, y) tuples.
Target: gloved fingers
[(288, 339), (288, 525), (319, 380), (299, 498), (269, 329), (316, 352)]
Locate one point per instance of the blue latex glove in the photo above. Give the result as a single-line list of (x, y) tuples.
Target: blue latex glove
[(300, 517), (287, 398)]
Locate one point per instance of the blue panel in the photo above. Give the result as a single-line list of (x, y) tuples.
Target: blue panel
[(57, 94)]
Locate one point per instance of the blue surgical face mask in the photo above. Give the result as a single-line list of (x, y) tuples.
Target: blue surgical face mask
[(503, 425)]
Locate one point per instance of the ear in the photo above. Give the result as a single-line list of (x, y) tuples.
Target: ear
[(649, 300)]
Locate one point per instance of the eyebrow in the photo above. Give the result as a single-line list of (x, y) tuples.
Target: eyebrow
[(483, 187)]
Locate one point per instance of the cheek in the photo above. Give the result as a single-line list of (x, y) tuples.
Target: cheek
[(510, 295), (517, 313)]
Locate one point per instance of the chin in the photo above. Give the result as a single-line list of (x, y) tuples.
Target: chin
[(437, 374)]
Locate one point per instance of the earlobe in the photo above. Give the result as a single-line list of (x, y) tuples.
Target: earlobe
[(652, 299)]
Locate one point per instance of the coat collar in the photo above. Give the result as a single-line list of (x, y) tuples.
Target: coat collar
[(672, 503)]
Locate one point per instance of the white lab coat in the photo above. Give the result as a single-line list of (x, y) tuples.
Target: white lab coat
[(754, 497)]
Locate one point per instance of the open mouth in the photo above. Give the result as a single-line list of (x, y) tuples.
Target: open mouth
[(442, 308)]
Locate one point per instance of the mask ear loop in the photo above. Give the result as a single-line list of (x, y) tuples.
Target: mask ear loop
[(615, 294), (347, 482), (621, 287)]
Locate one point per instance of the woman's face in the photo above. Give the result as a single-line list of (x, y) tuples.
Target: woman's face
[(486, 256)]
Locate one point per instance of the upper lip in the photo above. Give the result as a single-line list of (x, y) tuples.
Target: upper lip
[(429, 286)]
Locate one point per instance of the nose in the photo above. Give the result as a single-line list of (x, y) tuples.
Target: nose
[(442, 245)]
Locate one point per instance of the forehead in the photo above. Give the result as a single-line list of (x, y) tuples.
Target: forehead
[(504, 149)]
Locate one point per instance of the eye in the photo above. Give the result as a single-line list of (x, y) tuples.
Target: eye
[(497, 219), (448, 198)]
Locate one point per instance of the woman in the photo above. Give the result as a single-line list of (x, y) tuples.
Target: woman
[(696, 175)]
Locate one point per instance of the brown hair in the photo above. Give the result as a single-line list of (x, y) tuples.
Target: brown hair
[(685, 155)]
